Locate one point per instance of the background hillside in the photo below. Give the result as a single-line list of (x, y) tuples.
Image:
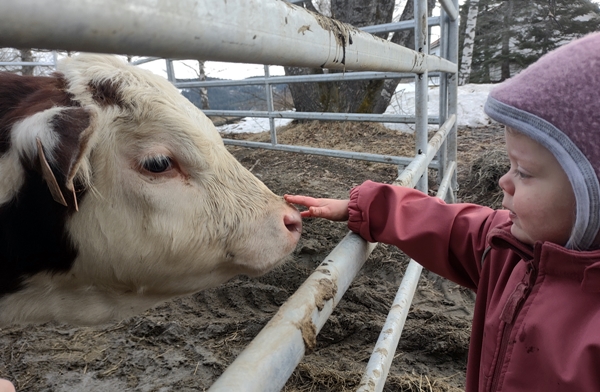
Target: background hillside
[(234, 97)]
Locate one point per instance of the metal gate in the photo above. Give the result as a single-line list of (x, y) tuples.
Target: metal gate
[(261, 32)]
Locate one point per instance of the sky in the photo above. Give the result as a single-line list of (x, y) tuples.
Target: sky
[(187, 69)]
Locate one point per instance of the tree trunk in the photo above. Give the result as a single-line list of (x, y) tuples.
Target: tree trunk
[(368, 96), (467, 53), (27, 56), (506, 35), (203, 90)]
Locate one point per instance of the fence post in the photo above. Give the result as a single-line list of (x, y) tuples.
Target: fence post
[(270, 106), (170, 71), (421, 86), (453, 99)]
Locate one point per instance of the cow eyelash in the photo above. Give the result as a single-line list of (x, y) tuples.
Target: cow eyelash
[(157, 164)]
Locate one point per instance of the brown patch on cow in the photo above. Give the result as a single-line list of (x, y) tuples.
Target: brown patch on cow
[(106, 93), (24, 96), (70, 124)]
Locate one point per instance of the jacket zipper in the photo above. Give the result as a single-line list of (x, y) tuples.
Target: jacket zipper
[(509, 314)]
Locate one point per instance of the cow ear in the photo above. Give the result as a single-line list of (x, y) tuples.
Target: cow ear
[(50, 178), (72, 129)]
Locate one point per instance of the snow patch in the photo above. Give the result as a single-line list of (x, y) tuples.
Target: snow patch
[(471, 99), (252, 125)]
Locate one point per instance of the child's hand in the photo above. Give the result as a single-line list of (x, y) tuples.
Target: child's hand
[(332, 209), (6, 386)]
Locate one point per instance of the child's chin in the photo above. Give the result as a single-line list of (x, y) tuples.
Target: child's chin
[(520, 234)]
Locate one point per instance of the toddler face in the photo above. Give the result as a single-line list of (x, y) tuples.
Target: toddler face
[(537, 192)]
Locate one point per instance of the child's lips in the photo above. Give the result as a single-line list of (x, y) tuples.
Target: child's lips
[(511, 214)]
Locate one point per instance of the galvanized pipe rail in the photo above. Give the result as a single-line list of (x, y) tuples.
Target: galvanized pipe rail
[(361, 156), (332, 77), (31, 63), (321, 116), (398, 26), (249, 31), (271, 114), (26, 64)]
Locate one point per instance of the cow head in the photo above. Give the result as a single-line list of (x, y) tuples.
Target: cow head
[(117, 193)]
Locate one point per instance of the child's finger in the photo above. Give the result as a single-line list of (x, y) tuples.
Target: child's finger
[(6, 386), (306, 214), (301, 200), (315, 211), (320, 212)]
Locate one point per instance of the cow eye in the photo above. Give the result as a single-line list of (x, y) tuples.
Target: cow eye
[(157, 164)]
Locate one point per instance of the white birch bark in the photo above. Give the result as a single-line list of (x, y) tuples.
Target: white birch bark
[(203, 90), (467, 53)]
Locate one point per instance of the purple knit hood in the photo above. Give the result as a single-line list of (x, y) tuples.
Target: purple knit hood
[(556, 102)]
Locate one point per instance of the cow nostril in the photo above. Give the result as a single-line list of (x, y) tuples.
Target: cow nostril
[(293, 222)]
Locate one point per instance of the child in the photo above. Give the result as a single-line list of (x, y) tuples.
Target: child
[(535, 265)]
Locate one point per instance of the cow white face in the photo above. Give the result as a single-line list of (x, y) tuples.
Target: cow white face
[(162, 208)]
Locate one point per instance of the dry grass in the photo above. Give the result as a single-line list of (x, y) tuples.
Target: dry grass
[(482, 161), (321, 379), (348, 136), (481, 183)]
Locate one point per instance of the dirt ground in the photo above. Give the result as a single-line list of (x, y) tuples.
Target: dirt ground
[(185, 344)]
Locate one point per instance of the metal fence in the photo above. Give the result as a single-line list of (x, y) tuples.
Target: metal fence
[(261, 32)]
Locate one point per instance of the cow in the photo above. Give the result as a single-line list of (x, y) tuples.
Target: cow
[(116, 194)]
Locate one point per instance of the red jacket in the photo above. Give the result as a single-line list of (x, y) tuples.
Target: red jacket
[(536, 324)]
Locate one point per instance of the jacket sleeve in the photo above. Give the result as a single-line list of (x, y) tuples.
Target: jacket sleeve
[(448, 239)]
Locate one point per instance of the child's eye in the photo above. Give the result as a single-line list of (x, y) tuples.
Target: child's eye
[(520, 174)]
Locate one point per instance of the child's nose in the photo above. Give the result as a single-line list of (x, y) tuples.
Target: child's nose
[(506, 184)]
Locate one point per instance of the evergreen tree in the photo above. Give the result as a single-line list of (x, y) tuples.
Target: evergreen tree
[(512, 34), (553, 24)]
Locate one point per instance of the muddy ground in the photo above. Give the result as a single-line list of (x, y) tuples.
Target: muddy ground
[(185, 344)]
